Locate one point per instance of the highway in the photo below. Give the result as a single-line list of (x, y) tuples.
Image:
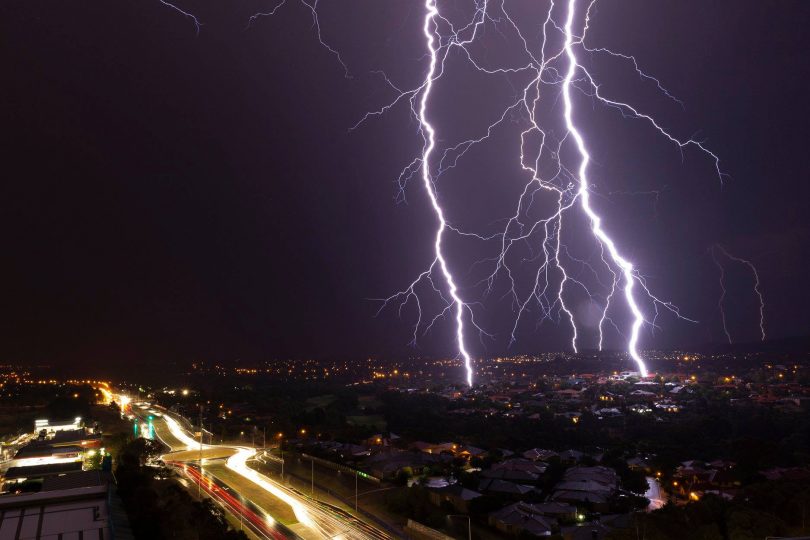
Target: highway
[(250, 516), (269, 509)]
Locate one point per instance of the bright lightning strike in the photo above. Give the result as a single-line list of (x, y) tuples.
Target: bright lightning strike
[(531, 240), (429, 135), (568, 184), (584, 195)]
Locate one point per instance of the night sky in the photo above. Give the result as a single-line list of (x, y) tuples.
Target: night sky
[(174, 196)]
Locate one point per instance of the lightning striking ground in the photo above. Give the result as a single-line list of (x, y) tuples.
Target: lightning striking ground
[(568, 184), (584, 195), (717, 248), (553, 156), (430, 143)]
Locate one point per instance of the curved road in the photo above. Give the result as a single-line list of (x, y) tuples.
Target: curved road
[(273, 510)]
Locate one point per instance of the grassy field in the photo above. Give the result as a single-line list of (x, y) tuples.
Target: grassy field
[(319, 402), (376, 421)]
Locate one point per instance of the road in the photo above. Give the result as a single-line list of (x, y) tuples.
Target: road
[(271, 509), (656, 495), (250, 517)]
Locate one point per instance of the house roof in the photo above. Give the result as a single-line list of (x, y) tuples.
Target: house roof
[(579, 496), (539, 454), (513, 475), (39, 471), (501, 486), (522, 515), (554, 508), (600, 474), (457, 490), (38, 449), (590, 486), (72, 435), (521, 464), (78, 479)]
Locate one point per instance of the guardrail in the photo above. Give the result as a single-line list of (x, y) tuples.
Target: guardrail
[(417, 531), (342, 468), (348, 502)]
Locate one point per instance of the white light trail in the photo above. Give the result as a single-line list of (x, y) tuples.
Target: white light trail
[(238, 464)]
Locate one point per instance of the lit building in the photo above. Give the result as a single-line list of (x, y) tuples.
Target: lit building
[(49, 428), (76, 505)]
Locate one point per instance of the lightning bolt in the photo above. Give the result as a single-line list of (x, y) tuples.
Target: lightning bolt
[(717, 248), (312, 6), (529, 239), (429, 135), (722, 299), (186, 14), (584, 196)]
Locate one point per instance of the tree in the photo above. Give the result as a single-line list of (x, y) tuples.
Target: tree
[(141, 450)]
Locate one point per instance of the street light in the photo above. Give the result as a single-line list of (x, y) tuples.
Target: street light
[(280, 436), (469, 523)]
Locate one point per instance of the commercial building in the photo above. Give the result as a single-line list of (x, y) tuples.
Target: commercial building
[(76, 506)]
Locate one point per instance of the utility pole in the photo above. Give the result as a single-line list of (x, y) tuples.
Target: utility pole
[(469, 523), (264, 437), (199, 485), (312, 478), (355, 492)]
